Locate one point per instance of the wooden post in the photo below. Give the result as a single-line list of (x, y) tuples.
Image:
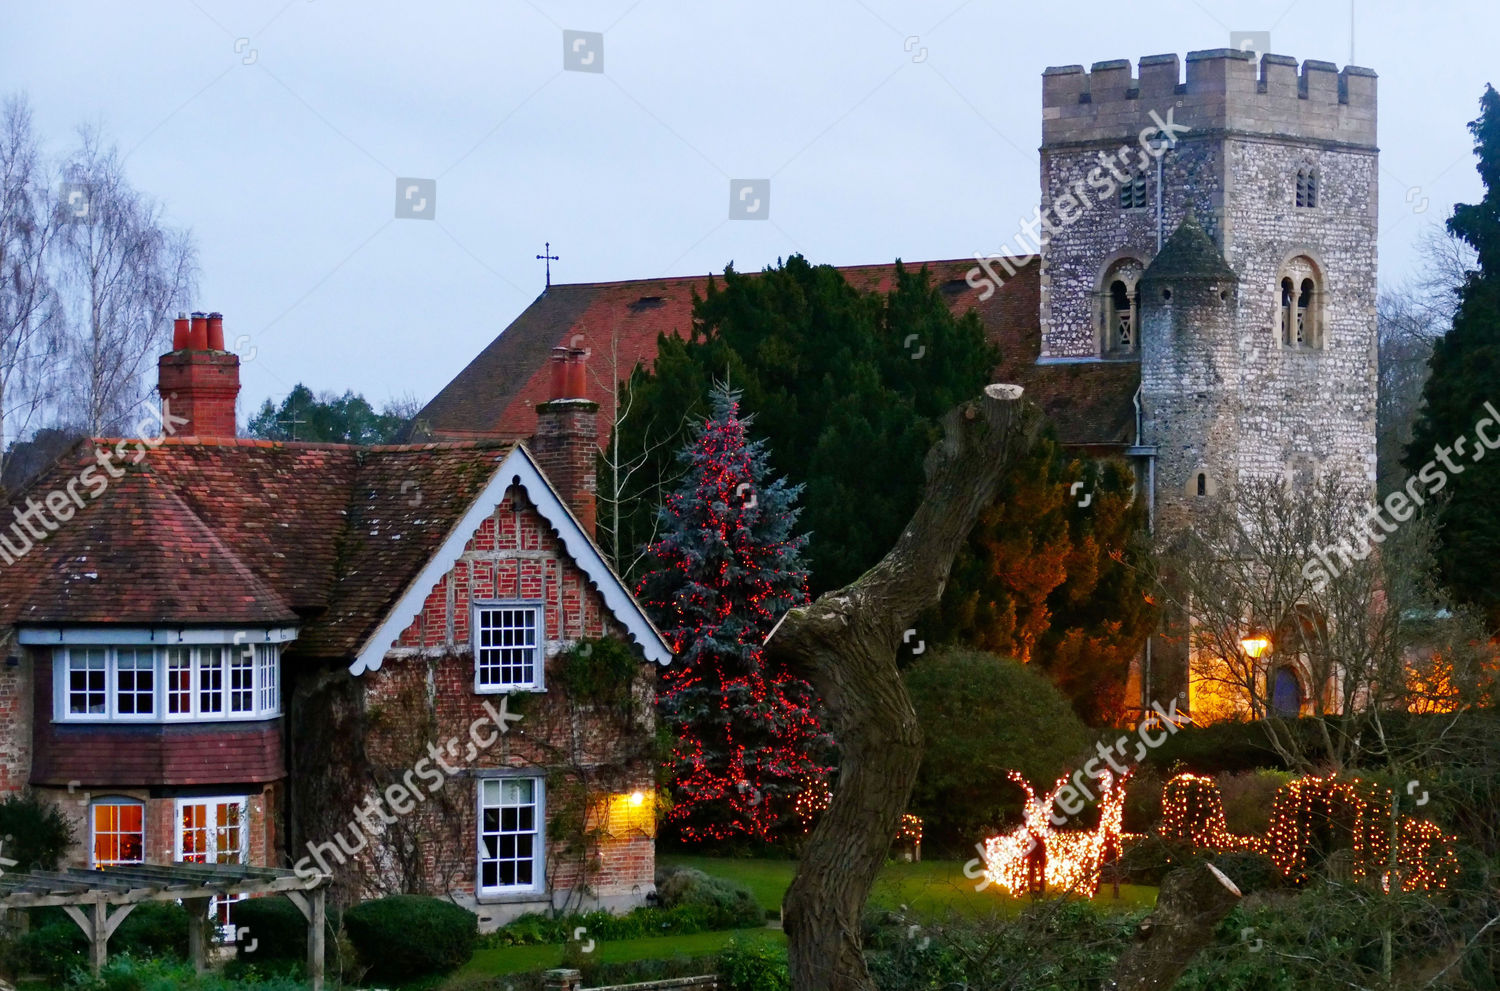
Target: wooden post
[(98, 925), (197, 909), (315, 911), (315, 936)]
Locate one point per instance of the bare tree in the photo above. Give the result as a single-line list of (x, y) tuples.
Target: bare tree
[(620, 470), (1333, 603), (28, 305), (123, 273)]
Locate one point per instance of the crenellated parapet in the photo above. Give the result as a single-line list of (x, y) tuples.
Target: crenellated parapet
[(1225, 90)]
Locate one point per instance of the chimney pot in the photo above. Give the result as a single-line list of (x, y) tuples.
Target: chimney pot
[(216, 332), (578, 383), (198, 334), (180, 331), (557, 370)]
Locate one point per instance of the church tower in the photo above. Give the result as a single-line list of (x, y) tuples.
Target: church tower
[(1220, 233)]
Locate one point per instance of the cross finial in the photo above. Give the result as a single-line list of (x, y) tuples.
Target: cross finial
[(548, 257)]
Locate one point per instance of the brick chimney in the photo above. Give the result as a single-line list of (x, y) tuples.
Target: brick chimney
[(566, 442), (198, 380)]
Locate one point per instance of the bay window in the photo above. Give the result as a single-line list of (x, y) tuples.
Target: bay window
[(143, 683)]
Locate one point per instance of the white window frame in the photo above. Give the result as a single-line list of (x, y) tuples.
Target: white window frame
[(262, 664), (538, 832), (114, 801), (538, 611), (211, 804), (88, 668)]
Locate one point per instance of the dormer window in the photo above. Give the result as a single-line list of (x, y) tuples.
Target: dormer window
[(1133, 193), (142, 683), (1307, 187), (1299, 305)]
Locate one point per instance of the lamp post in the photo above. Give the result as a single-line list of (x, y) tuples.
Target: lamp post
[(1256, 645)]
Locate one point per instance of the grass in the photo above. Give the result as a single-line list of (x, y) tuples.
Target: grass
[(932, 887), (524, 959)]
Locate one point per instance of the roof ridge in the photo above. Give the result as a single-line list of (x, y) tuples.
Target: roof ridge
[(967, 259), (292, 445)]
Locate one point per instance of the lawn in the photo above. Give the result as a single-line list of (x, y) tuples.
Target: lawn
[(524, 959), (932, 887)]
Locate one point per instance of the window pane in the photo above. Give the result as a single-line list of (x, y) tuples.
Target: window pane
[(269, 662), (508, 840), (135, 682), (241, 679), (87, 669), (179, 681), (507, 646), (210, 681)]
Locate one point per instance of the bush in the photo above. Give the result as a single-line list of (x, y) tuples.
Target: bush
[(277, 930), (730, 905), (408, 936), (982, 717), (1250, 872), (51, 951), (754, 965), (152, 929), (1247, 799), (126, 973), (37, 835)]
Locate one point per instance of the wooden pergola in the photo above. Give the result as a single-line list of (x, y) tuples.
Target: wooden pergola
[(89, 895)]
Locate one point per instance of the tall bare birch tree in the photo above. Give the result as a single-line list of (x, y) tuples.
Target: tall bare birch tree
[(122, 273), (29, 315)]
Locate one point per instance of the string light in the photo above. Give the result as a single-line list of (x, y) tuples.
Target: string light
[(1304, 812)]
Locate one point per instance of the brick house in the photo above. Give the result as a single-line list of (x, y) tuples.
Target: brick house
[(231, 650)]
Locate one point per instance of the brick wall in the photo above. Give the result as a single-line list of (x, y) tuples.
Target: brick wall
[(15, 718), (161, 819)]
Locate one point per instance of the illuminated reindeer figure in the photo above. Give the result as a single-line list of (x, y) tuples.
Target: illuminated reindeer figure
[(1037, 856)]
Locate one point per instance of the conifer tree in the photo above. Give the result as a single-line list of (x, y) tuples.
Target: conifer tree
[(1465, 378), (728, 565)]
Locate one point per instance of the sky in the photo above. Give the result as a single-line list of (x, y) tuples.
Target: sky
[(287, 135)]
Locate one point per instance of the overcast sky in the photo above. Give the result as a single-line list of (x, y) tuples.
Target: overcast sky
[(277, 133)]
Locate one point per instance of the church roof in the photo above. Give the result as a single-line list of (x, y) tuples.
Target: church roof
[(1190, 254), (1090, 403)]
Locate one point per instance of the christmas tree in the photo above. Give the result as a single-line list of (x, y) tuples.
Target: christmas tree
[(746, 738)]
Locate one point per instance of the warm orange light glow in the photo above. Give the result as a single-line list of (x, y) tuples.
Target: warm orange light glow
[(637, 798), (1256, 646), (1072, 858)]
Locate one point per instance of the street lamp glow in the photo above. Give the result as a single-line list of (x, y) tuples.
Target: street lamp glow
[(1256, 646)]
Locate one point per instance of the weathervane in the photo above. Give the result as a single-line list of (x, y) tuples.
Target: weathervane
[(549, 258)]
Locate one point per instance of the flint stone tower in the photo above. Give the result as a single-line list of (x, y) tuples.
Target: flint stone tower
[(1237, 267)]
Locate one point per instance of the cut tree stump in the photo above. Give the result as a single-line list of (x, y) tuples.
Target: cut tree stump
[(1192, 902)]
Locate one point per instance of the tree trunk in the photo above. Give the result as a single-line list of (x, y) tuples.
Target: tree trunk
[(1192, 903), (845, 644)]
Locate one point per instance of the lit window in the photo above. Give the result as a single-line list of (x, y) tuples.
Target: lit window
[(135, 682), (507, 647), (214, 831), (87, 677), (119, 832), (510, 842)]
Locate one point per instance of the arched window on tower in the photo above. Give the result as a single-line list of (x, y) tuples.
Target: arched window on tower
[(1133, 193), (1307, 187), (1119, 308), (1300, 304)]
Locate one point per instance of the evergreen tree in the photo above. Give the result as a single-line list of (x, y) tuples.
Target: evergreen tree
[(330, 419), (1466, 376), (745, 735)]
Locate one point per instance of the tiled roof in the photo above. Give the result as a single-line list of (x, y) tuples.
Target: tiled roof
[(619, 322), (253, 532)]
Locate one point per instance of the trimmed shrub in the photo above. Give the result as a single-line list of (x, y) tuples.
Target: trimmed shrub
[(1248, 798), (278, 931), (37, 835), (730, 906), (754, 965), (984, 716), (403, 937)]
